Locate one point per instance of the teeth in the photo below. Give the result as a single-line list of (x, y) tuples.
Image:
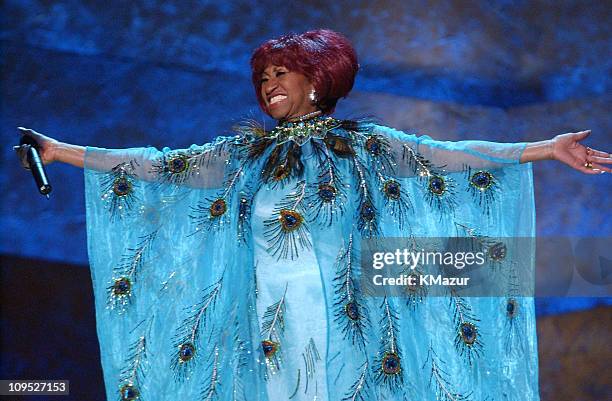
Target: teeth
[(277, 98)]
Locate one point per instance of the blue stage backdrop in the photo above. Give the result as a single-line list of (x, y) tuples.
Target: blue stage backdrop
[(172, 73)]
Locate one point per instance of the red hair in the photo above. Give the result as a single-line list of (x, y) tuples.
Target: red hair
[(325, 57)]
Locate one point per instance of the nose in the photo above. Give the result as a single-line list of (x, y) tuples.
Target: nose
[(269, 85)]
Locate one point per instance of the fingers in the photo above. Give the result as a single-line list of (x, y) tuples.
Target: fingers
[(596, 159), (599, 153), (591, 171), (22, 154), (28, 132), (592, 168), (579, 136), (598, 168), (33, 138)]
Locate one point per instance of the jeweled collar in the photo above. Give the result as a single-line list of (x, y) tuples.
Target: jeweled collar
[(302, 130)]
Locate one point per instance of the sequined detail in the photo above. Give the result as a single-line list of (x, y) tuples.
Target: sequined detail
[(392, 189), (419, 165), (301, 131), (326, 197), (511, 308), (339, 145), (352, 310), (134, 369), (177, 164), (187, 333), (387, 362), (484, 188), (415, 278), (119, 189), (437, 186), (326, 192), (244, 218), (272, 332), (127, 271), (122, 186), (415, 291), (469, 333), (122, 287), (243, 209), (373, 146), (186, 352), (481, 180), (497, 251), (440, 380), (269, 348), (218, 208), (129, 393), (312, 359), (367, 211), (286, 230), (280, 173), (290, 220), (360, 389), (391, 364), (207, 213), (178, 168), (467, 341)]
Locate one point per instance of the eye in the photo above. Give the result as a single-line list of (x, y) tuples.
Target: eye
[(262, 80), (278, 73)]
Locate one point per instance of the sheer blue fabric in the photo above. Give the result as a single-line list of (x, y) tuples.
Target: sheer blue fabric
[(212, 282)]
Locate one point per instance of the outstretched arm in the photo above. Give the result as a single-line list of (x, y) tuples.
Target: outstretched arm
[(197, 167), (567, 149), (454, 156)]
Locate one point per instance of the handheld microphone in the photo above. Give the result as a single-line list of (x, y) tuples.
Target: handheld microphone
[(28, 150)]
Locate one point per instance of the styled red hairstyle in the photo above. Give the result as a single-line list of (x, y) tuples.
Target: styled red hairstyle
[(325, 57)]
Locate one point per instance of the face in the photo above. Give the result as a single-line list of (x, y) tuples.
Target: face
[(285, 93)]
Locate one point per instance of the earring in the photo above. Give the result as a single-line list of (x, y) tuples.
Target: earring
[(313, 96)]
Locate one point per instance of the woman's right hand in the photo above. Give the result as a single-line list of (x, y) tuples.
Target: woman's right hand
[(47, 147)]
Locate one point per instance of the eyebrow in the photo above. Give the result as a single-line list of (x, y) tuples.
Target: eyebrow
[(276, 68)]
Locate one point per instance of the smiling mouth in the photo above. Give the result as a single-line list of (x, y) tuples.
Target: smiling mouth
[(277, 98)]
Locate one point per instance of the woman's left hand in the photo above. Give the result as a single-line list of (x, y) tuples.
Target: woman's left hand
[(567, 149)]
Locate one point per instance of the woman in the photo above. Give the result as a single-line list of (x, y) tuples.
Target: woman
[(230, 270)]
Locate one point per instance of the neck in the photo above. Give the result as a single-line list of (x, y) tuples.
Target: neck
[(305, 116)]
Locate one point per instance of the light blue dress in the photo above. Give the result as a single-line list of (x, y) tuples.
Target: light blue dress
[(232, 271)]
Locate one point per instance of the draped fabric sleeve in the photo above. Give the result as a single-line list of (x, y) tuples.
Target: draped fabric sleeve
[(485, 338), (480, 182), (166, 233), (451, 156), (197, 167)]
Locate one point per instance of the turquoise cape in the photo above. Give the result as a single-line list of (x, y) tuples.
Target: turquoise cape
[(231, 271)]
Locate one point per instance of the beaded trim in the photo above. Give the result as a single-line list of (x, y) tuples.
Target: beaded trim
[(301, 131)]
